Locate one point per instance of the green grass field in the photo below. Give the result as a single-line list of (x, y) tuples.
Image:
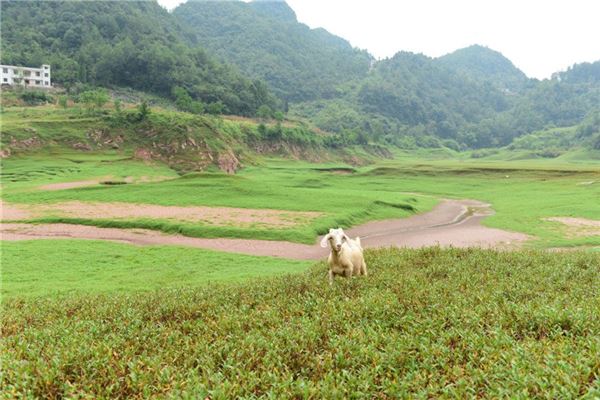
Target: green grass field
[(425, 324), (58, 267), (523, 193)]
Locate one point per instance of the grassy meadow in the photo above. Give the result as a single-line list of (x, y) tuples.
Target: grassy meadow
[(96, 319), (427, 323), (58, 267), (523, 193)]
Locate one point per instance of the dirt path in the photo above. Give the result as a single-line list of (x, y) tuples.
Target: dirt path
[(452, 222)]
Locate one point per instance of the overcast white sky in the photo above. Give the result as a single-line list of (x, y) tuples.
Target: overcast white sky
[(539, 37)]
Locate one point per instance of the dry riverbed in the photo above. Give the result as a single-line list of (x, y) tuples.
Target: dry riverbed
[(451, 223)]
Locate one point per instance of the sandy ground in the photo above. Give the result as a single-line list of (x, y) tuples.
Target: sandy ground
[(220, 216), (578, 226), (452, 222), (9, 212), (69, 185), (93, 182)]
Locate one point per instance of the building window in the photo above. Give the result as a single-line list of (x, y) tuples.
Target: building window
[(15, 71), (5, 80), (46, 83), (45, 67), (38, 82), (46, 74), (27, 81), (37, 73), (5, 70), (27, 73)]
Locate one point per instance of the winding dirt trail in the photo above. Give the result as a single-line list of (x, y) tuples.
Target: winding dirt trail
[(451, 223)]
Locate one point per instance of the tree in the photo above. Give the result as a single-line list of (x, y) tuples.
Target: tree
[(94, 98), (143, 110), (264, 112), (63, 101), (216, 108), (184, 101)]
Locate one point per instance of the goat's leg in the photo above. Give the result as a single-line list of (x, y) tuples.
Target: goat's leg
[(348, 271), (364, 268), (330, 276)]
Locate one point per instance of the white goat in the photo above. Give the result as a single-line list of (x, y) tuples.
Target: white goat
[(346, 256)]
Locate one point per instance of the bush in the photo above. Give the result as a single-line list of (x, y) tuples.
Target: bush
[(143, 111), (94, 98), (63, 101), (481, 153), (36, 97), (451, 144), (549, 153), (216, 108), (264, 112)]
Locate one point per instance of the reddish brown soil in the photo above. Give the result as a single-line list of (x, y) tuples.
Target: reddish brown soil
[(451, 223)]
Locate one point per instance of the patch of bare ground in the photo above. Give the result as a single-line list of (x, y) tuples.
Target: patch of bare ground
[(107, 179), (220, 216), (11, 212), (451, 223), (69, 185), (454, 223), (577, 227), (144, 237)]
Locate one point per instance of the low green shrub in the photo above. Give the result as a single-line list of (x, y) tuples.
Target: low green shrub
[(427, 323)]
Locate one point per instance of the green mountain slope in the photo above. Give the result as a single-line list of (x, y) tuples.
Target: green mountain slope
[(265, 40), (481, 63), (472, 98), (411, 99), (136, 44)]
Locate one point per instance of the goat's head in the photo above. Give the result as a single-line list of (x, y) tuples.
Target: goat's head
[(335, 238)]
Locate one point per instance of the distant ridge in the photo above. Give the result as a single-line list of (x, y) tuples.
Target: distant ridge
[(480, 62), (265, 40)]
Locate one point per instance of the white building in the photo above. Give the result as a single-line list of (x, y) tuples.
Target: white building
[(25, 76)]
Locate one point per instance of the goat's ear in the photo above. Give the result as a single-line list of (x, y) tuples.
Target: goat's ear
[(324, 240), (346, 238)]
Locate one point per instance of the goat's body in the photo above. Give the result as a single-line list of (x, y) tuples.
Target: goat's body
[(347, 261)]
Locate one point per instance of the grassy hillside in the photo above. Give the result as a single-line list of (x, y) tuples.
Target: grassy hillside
[(184, 141), (429, 323)]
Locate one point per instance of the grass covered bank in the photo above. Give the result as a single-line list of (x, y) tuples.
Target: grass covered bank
[(425, 323)]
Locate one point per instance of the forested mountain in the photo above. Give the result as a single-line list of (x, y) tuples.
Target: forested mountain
[(411, 99), (233, 56), (127, 43), (481, 63), (265, 40)]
